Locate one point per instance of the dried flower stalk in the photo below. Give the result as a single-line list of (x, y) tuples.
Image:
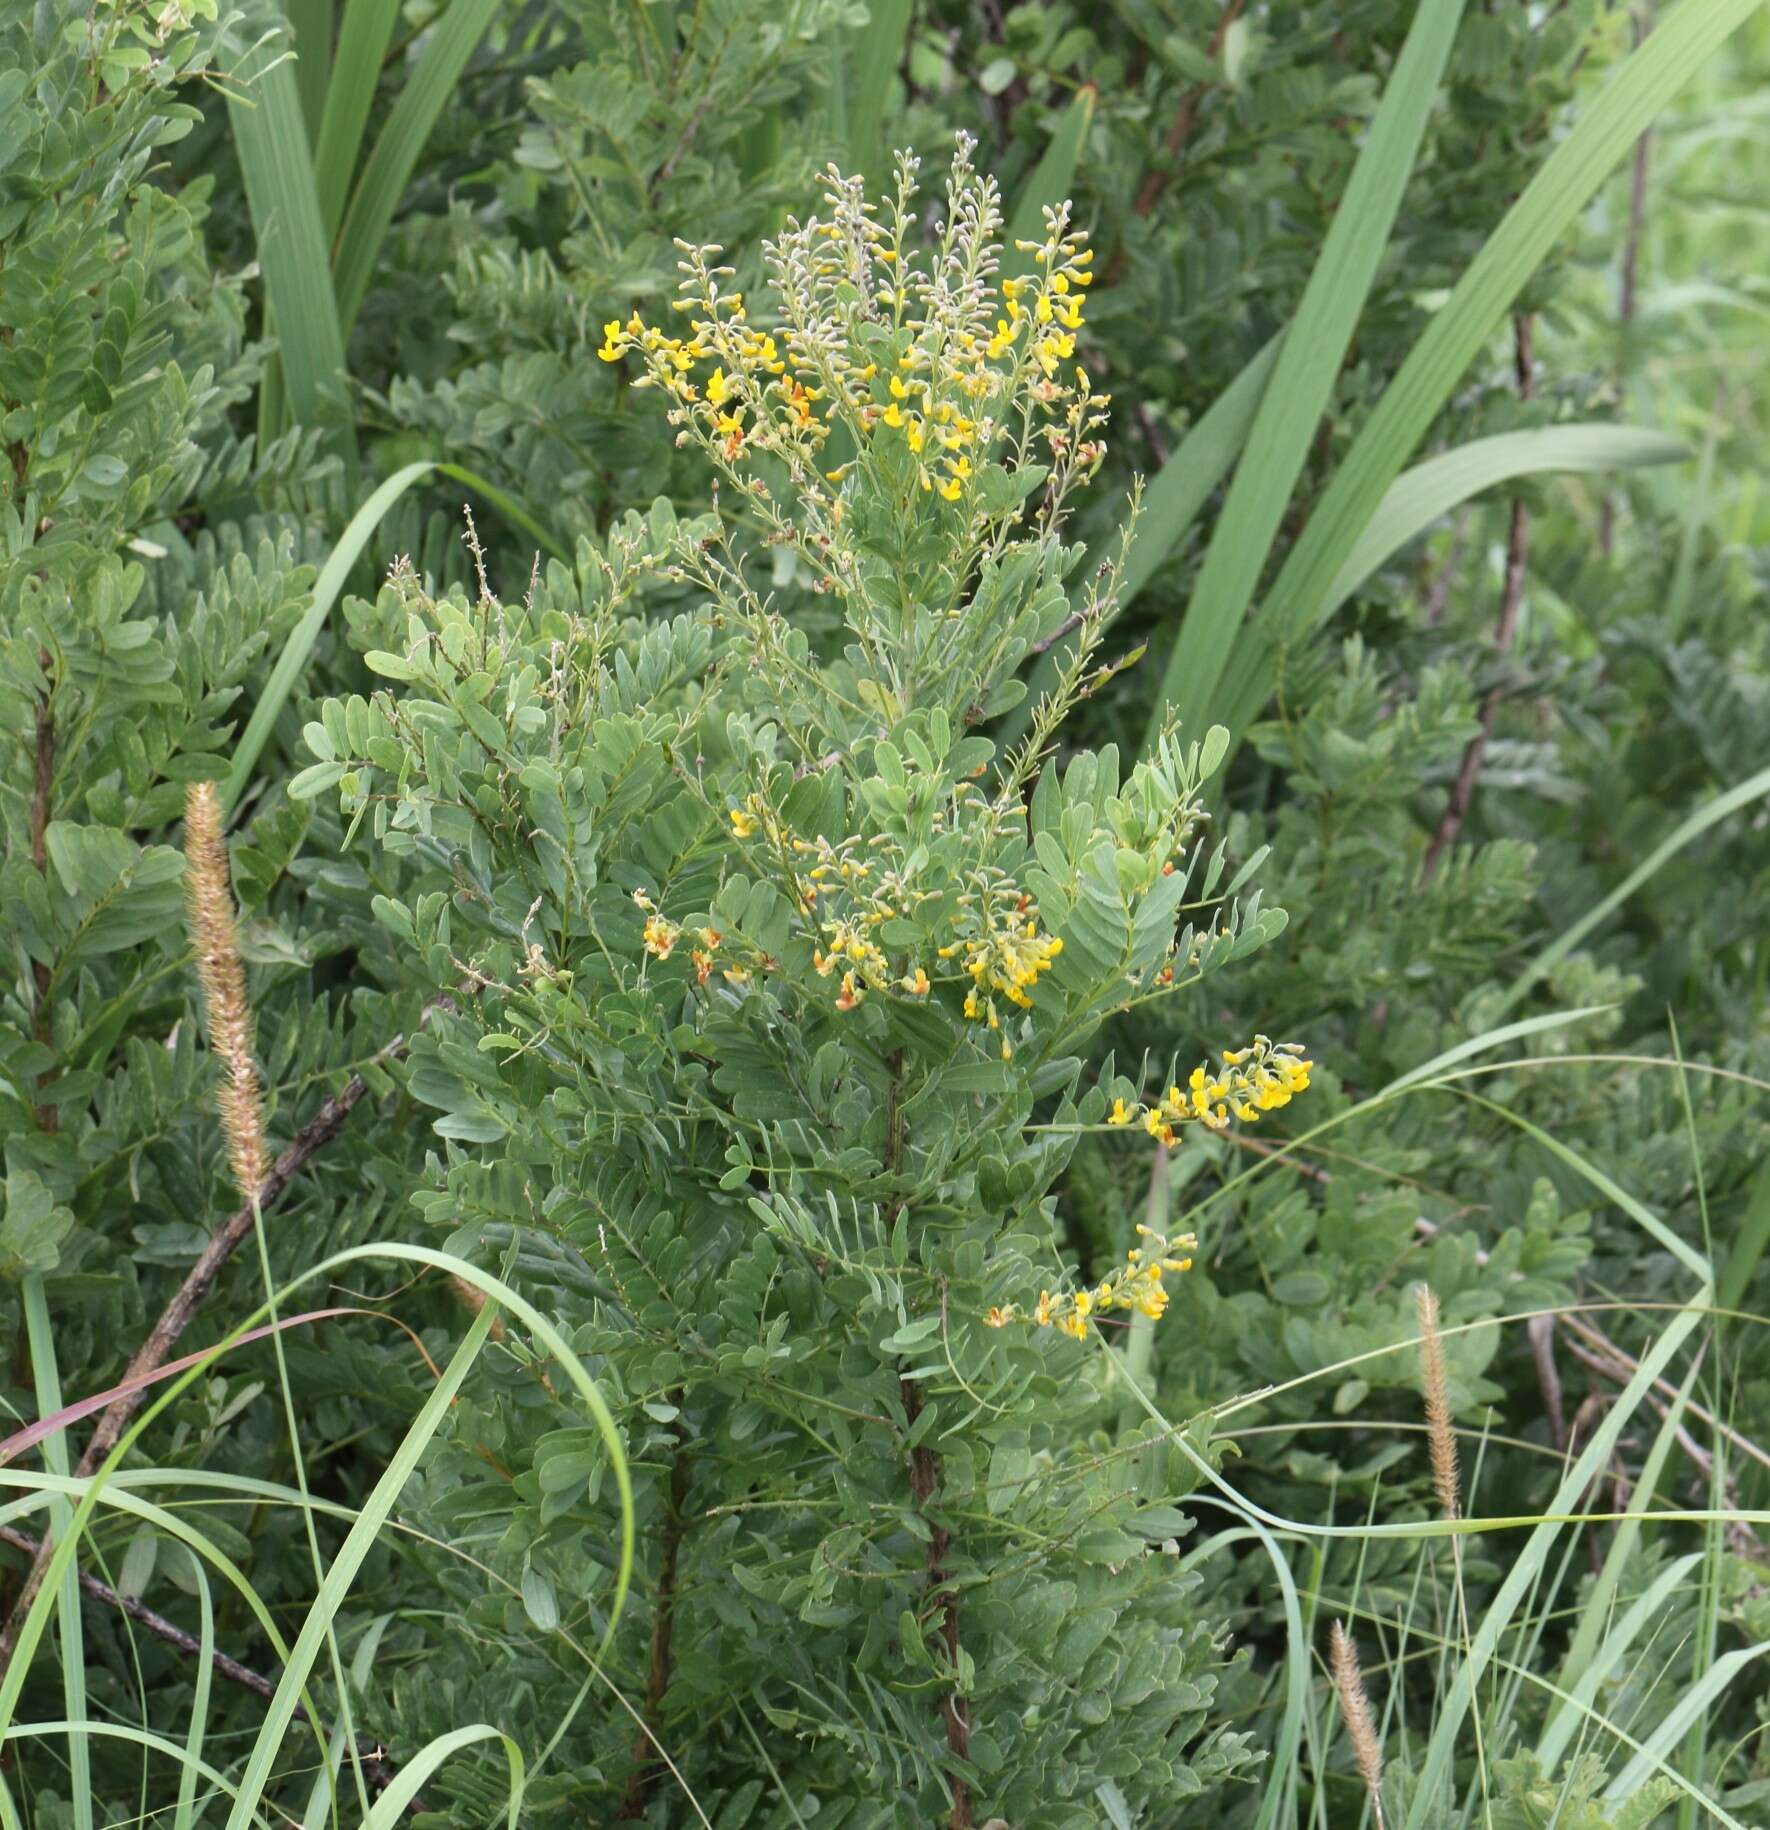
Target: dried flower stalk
[(1355, 1711), (1432, 1383), (210, 903)]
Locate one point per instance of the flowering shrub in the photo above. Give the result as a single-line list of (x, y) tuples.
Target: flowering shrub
[(772, 984)]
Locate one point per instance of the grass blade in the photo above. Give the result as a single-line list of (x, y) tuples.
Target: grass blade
[(351, 1555), (185, 1814), (391, 1805), (278, 170), (878, 51), (427, 92), (1569, 178), (362, 49), (1308, 366), (1432, 489), (310, 25), (1752, 788), (40, 1336), (1435, 1768), (306, 632), (1048, 184), (326, 591), (1690, 1704), (1748, 1244), (1170, 506)]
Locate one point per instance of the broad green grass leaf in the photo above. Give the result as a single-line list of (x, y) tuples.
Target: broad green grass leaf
[(275, 161), (1308, 365), (310, 27), (118, 1731), (875, 53), (1170, 506), (1748, 1243), (1420, 496), (1488, 1039), (1607, 1655), (1681, 41), (362, 49), (428, 90), (1688, 1707)]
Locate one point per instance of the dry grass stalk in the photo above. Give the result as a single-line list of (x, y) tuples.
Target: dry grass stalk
[(209, 900), (1355, 1711), (1432, 1382), (473, 1298)]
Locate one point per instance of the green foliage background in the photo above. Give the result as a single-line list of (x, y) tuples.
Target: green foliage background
[(177, 475)]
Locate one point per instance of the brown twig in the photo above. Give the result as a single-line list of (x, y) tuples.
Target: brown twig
[(1619, 1365), (1631, 269), (663, 1628), (188, 1298), (924, 1478), (1505, 634), (1541, 1332), (375, 1769), (42, 974), (1260, 1147), (1180, 129), (1068, 626)]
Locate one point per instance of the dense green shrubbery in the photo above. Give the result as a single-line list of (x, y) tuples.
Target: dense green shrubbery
[(525, 853)]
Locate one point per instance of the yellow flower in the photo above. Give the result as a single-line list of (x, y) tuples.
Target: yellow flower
[(742, 823), (660, 936), (717, 387), (916, 983), (1121, 1113)]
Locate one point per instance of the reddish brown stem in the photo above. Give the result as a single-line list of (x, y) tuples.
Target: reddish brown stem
[(924, 1468), (1180, 129), (1505, 634), (924, 1475), (1631, 271), (42, 781), (663, 1630)]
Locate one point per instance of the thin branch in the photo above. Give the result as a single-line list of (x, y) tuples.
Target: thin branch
[(42, 974), (1180, 129), (188, 1298), (1630, 276), (649, 1750), (1541, 1332), (1505, 634)]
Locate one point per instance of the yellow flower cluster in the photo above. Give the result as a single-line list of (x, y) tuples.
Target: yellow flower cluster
[(870, 340), (661, 936), (1008, 958), (1253, 1080), (1136, 1286)]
